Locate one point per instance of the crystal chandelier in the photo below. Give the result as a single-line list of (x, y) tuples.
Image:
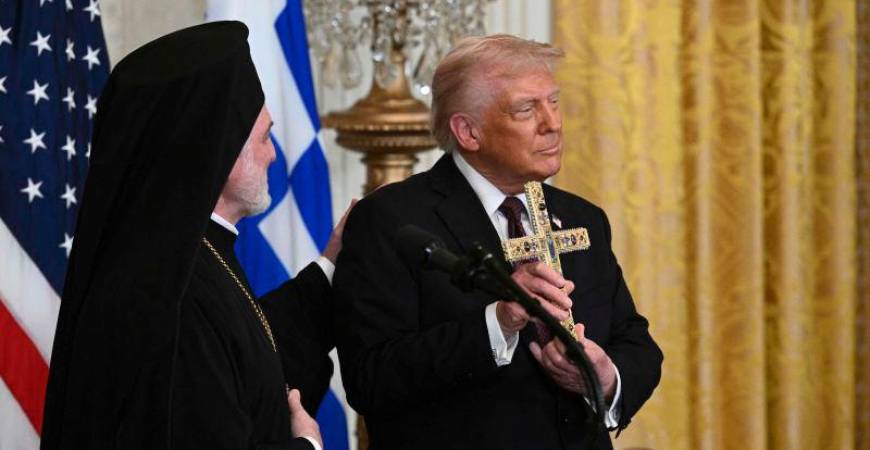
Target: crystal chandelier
[(426, 28), (407, 39)]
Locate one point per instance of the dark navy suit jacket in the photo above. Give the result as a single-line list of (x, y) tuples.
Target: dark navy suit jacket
[(414, 350)]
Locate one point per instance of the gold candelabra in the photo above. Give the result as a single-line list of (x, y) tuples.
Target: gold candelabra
[(389, 126)]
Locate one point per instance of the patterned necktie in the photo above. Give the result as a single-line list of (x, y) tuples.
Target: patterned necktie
[(513, 208)]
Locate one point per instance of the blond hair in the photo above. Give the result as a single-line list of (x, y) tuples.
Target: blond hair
[(460, 80)]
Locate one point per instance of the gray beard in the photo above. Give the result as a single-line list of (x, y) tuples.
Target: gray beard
[(258, 201), (253, 195)]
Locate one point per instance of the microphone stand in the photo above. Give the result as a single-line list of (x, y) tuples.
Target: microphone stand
[(485, 272)]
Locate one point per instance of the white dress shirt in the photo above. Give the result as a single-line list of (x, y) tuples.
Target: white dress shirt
[(503, 347)]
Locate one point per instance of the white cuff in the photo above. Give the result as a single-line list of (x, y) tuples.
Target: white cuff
[(611, 419), (328, 269), (313, 442), (502, 348)]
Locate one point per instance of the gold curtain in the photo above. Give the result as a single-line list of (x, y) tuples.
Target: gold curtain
[(719, 135), (863, 164)]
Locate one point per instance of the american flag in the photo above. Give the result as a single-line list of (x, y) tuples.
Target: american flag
[(53, 64)]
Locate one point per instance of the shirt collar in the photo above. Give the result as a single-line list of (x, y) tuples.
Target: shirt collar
[(490, 196), (224, 223)]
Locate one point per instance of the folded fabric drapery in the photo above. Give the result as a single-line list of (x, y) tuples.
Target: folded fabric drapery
[(720, 138)]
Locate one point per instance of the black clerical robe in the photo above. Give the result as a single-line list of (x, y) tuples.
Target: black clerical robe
[(228, 389), (155, 347)]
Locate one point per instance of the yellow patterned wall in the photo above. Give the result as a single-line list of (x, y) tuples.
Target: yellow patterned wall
[(862, 140), (719, 137)]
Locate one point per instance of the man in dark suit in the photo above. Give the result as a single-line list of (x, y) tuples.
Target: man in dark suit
[(432, 367)]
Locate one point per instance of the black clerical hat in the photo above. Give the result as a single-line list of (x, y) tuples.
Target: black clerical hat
[(200, 77)]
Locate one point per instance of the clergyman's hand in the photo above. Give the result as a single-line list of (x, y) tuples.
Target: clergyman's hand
[(543, 284), (333, 247), (557, 365), (302, 424)]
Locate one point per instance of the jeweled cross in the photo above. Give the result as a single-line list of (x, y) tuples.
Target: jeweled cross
[(544, 244)]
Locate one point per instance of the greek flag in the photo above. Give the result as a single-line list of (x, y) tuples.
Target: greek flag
[(294, 231)]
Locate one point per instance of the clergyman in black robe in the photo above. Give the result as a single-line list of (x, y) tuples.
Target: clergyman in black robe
[(159, 343)]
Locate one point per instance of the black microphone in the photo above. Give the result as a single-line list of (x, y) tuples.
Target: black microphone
[(481, 270), (418, 247)]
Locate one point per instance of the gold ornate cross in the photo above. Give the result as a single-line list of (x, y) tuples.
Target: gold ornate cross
[(544, 244)]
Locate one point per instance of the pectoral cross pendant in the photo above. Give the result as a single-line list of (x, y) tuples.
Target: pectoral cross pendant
[(544, 244)]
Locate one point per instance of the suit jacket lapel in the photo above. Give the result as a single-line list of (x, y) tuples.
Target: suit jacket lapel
[(460, 210), (573, 261)]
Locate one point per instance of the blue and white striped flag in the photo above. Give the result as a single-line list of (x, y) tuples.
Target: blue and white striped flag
[(294, 231)]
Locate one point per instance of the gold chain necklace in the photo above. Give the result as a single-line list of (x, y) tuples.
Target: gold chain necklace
[(257, 310)]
